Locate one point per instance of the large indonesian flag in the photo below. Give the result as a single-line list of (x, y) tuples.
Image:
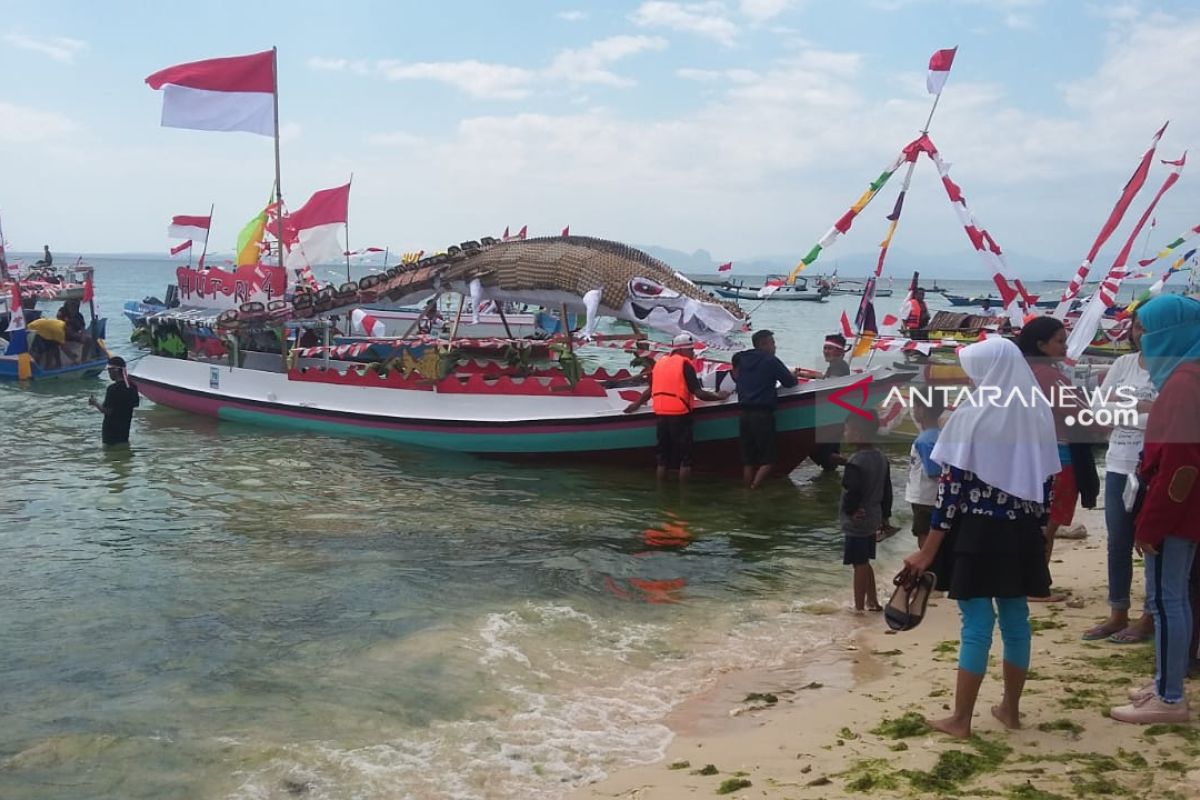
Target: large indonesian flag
[(220, 94), (311, 232), (189, 227)]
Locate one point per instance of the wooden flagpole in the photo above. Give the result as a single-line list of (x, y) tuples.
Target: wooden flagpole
[(207, 233), (278, 185), (347, 224)]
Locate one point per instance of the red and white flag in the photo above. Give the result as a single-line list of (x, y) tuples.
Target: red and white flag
[(939, 69), (311, 231), (89, 291), (179, 248), (847, 331), (185, 226), (890, 320), (728, 265), (504, 236), (220, 94), (521, 233), (567, 231)]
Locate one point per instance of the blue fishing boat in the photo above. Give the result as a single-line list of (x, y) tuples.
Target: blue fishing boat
[(36, 349)]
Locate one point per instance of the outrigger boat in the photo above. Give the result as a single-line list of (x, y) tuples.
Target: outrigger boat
[(30, 351), (426, 393), (774, 288)]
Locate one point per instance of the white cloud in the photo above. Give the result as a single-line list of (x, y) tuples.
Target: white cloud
[(476, 78), (59, 48), (290, 131), (24, 125), (573, 15), (587, 65), (358, 66), (763, 10), (1018, 21), (396, 139), (704, 75), (707, 19)]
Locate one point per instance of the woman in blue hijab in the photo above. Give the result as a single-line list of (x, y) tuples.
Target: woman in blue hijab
[(1167, 530)]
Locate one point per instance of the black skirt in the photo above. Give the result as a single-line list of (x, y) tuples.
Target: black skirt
[(989, 557)]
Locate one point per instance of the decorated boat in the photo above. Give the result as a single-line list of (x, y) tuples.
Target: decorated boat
[(35, 347), (426, 392)]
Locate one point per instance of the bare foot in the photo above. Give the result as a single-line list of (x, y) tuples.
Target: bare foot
[(1008, 718), (875, 607), (953, 727)]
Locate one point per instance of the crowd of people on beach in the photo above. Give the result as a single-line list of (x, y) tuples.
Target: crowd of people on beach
[(992, 488)]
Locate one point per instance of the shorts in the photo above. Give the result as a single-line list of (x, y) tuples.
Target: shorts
[(922, 517), (858, 550), (675, 441), (757, 430), (1064, 496)]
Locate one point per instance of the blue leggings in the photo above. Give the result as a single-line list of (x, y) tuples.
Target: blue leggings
[(978, 620)]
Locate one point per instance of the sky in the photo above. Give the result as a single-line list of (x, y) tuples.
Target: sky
[(741, 127)]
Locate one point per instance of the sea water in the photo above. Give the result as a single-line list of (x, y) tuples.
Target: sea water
[(224, 611)]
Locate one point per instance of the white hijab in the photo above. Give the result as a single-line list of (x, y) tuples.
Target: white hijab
[(1008, 443)]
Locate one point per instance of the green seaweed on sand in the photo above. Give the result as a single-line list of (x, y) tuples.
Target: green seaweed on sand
[(1028, 791), (871, 774), (1064, 725), (911, 724), (948, 646), (1132, 660), (1174, 766), (1136, 760), (1084, 697), (761, 697), (1042, 624), (899, 746), (679, 765), (847, 734), (731, 785), (1099, 785), (707, 769), (1188, 733), (955, 767), (887, 652)]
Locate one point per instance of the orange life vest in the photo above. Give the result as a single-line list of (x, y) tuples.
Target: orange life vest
[(918, 315), (670, 395)]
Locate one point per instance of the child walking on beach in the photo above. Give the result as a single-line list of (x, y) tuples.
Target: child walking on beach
[(986, 531), (866, 505), (923, 471)]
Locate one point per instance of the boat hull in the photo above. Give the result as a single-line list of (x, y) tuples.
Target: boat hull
[(581, 429), (87, 369), (782, 294)]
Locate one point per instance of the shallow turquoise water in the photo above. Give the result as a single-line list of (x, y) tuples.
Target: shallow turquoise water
[(224, 611)]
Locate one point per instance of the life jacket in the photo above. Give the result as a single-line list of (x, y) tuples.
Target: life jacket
[(918, 315), (670, 391)]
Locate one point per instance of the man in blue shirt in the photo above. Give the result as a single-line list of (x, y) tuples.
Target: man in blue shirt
[(757, 372)]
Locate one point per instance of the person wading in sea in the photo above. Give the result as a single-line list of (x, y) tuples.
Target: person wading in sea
[(673, 390), (119, 402), (757, 374)]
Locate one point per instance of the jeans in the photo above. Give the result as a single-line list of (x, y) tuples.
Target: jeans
[(1167, 595), (978, 620), (1120, 541)]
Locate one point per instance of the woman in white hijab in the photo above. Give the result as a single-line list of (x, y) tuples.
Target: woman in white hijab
[(985, 541)]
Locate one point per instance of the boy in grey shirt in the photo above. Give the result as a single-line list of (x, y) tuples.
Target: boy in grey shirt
[(866, 505)]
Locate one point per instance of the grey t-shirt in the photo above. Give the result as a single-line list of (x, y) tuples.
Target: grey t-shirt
[(866, 484)]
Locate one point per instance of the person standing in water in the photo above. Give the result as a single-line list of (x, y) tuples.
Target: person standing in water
[(119, 402), (757, 374)]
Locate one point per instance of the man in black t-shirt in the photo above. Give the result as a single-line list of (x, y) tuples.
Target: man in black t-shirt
[(119, 402)]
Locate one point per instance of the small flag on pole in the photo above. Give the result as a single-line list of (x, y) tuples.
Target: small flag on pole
[(847, 331), (567, 231), (181, 247), (728, 265), (185, 226), (504, 236), (890, 320), (521, 233), (939, 70)]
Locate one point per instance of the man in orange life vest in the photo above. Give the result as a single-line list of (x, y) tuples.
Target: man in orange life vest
[(916, 314), (673, 389)]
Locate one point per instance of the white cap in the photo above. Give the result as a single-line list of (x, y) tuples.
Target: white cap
[(683, 341)]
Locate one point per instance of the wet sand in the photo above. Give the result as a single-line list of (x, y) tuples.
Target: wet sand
[(821, 730)]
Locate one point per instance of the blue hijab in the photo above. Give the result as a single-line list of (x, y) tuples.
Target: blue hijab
[(1172, 325)]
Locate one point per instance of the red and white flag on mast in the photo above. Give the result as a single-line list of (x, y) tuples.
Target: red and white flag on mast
[(728, 265), (184, 226), (521, 233), (847, 331), (311, 231), (939, 69), (177, 249), (220, 94), (567, 231)]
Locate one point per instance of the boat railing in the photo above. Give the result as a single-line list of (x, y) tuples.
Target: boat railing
[(455, 383)]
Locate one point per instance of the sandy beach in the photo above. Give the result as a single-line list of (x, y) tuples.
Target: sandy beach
[(850, 722)]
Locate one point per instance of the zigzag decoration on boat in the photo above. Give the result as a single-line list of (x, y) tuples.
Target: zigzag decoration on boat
[(1011, 291), (597, 276)]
